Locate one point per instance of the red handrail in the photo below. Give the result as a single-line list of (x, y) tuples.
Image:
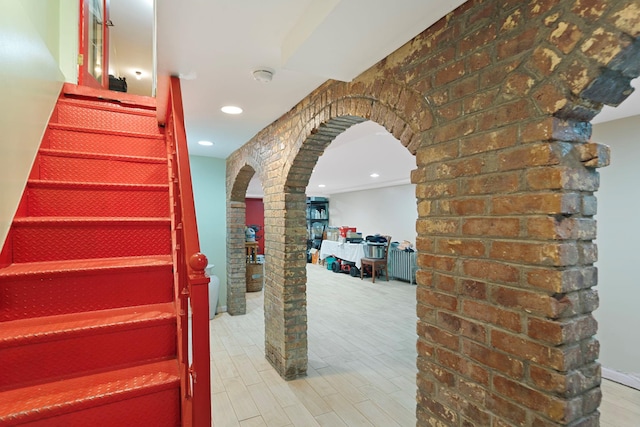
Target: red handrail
[(191, 284)]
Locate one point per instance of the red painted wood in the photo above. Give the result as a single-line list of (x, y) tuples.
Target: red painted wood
[(122, 98), (52, 288), (59, 198), (86, 342), (90, 284), (52, 238), (112, 398), (80, 167), (192, 283), (81, 140), (108, 117), (254, 209)]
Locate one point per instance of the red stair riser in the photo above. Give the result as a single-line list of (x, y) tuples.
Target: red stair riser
[(53, 399), (159, 409), (39, 296), (92, 352), (63, 240), (76, 114), (97, 202), (73, 169), (86, 141), (110, 105)]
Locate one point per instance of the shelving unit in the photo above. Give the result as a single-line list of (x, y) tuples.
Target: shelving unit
[(317, 213)]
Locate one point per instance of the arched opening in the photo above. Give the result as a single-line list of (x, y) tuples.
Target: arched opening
[(618, 293), (236, 239), (361, 335), (286, 326)]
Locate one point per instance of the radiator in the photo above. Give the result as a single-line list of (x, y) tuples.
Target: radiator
[(402, 265)]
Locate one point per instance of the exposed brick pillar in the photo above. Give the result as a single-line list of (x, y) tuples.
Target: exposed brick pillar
[(285, 304), (505, 187), (236, 263), (505, 290)]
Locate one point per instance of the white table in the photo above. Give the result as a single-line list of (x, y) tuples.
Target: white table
[(347, 251)]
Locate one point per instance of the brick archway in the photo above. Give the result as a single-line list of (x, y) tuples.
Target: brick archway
[(495, 100), (236, 221)]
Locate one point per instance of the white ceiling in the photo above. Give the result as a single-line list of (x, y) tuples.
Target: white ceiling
[(215, 45)]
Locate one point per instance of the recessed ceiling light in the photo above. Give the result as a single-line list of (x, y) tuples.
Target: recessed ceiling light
[(374, 175), (230, 109), (205, 143), (321, 185)]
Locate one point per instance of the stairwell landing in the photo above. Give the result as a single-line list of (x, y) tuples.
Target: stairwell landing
[(87, 313)]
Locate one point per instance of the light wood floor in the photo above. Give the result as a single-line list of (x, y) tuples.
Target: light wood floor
[(361, 362)]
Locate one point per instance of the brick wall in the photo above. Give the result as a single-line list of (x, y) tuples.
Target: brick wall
[(495, 102)]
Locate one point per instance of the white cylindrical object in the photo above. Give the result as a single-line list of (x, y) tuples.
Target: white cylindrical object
[(214, 290)]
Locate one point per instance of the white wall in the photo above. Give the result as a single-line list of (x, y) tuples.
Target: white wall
[(30, 81), (209, 192), (618, 251), (388, 210)]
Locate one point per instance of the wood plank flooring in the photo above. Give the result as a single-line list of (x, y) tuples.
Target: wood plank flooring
[(362, 361)]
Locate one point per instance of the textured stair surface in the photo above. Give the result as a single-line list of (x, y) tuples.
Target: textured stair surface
[(82, 140), (106, 116), (89, 167), (70, 286), (86, 342), (55, 238), (59, 198), (88, 328), (145, 395)]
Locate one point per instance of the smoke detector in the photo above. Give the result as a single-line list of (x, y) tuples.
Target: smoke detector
[(263, 75)]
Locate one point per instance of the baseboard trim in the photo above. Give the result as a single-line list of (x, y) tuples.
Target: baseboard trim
[(630, 380)]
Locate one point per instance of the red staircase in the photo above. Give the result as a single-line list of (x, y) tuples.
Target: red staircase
[(88, 333)]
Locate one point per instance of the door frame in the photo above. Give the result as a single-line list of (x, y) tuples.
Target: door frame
[(85, 77)]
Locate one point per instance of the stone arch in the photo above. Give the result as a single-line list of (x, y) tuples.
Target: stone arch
[(286, 339), (495, 100), (237, 184)]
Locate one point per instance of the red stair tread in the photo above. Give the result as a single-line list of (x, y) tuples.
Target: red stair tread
[(105, 115), (66, 267), (41, 329), (82, 139), (60, 397), (106, 105), (100, 156), (85, 129), (92, 199), (40, 183), (126, 99), (52, 220)]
